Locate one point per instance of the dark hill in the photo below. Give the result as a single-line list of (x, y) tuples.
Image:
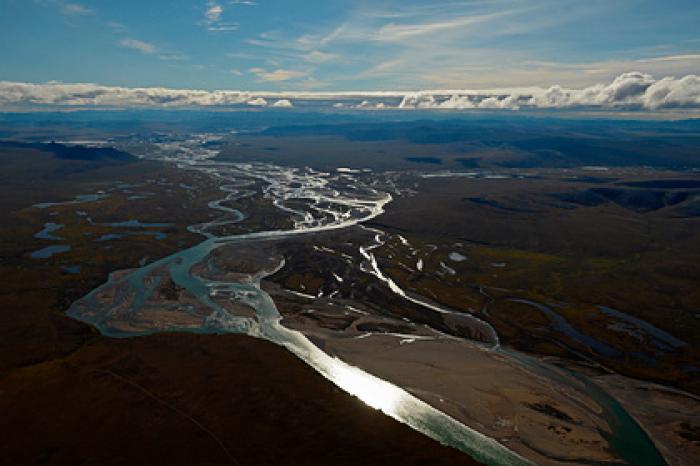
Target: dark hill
[(77, 152)]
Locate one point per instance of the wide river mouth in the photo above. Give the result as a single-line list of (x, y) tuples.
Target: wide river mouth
[(333, 204)]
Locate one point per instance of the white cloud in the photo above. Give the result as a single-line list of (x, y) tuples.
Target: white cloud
[(634, 90), (257, 102), (466, 44), (74, 9), (213, 19), (400, 32), (317, 56), (115, 26), (141, 46), (147, 48), (213, 12), (67, 8), (670, 92), (368, 104), (277, 75), (173, 56), (223, 27), (60, 94), (629, 91), (283, 103)]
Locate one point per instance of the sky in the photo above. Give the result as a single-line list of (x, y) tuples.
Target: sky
[(336, 45)]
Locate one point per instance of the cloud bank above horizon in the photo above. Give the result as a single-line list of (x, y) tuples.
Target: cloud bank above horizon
[(629, 91)]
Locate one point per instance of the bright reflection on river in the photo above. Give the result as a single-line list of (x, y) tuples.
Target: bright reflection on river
[(373, 391)]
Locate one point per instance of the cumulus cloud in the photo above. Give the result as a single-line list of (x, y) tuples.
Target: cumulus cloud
[(634, 90), (283, 103), (257, 102), (371, 105), (670, 92), (459, 101), (60, 94), (629, 91)]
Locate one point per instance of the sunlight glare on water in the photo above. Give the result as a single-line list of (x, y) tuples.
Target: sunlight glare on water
[(373, 391)]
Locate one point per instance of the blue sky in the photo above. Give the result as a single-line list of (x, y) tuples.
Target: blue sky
[(338, 45)]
